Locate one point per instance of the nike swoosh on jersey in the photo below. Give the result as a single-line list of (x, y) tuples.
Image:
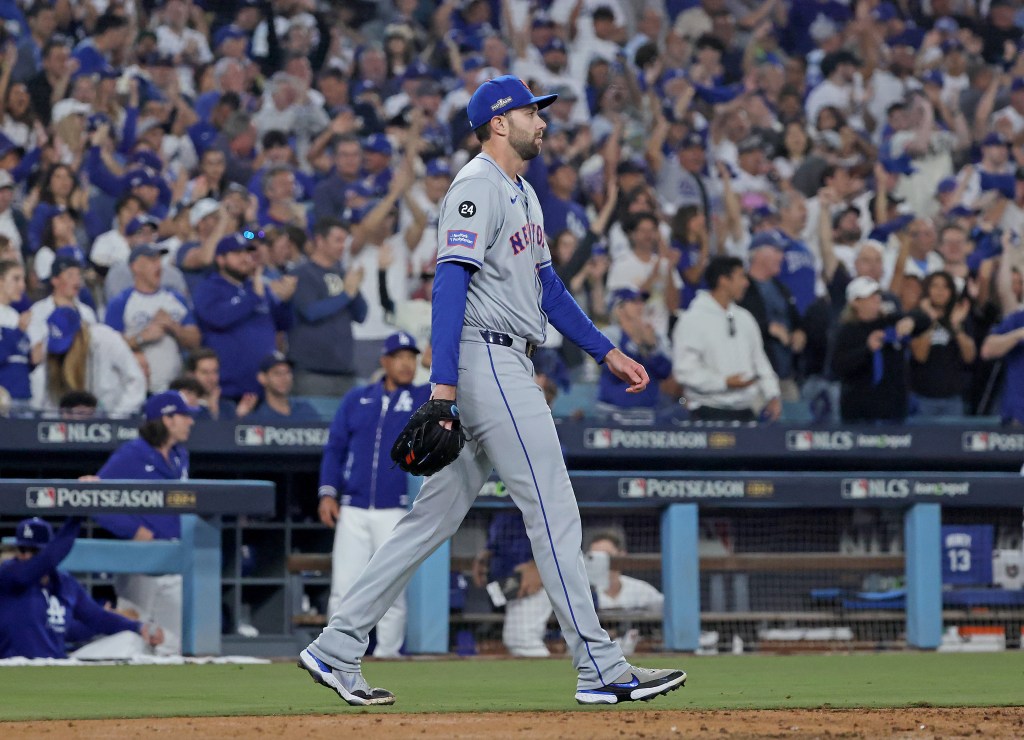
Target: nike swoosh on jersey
[(514, 200)]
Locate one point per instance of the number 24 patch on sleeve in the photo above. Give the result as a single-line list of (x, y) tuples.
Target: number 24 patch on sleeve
[(461, 238)]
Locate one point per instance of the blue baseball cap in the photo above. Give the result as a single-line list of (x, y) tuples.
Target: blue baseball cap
[(946, 185), (33, 532), (63, 325), (766, 239), (363, 86), (378, 143), (932, 77), (945, 24), (555, 44), (226, 33), (994, 138), (416, 70), (884, 12), (962, 212), (627, 294), (139, 222), (233, 243), (499, 95), (398, 341), (64, 258), (273, 360), (472, 62), (167, 403), (146, 250), (898, 165), (147, 158), (140, 177), (439, 167)]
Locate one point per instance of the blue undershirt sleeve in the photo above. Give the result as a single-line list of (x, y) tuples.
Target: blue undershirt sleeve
[(566, 315), (451, 285)]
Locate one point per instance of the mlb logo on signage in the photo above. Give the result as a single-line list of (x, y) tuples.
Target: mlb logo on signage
[(633, 488), (41, 498), (855, 488), (52, 432), (800, 441), (250, 436), (598, 439), (975, 441)]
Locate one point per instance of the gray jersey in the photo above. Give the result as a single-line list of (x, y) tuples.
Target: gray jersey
[(488, 222)]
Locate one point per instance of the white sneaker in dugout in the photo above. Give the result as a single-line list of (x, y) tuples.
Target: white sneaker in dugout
[(351, 687), (636, 684)]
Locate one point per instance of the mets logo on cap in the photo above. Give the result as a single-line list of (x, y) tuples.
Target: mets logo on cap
[(502, 94)]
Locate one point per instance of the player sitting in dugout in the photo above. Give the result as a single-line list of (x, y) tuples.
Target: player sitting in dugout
[(39, 605)]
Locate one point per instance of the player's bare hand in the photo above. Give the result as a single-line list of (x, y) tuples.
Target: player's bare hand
[(773, 410), (329, 511), (739, 381), (153, 634), (627, 369), (530, 583)]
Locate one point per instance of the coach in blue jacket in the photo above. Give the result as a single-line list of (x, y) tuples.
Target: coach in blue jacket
[(158, 454), (238, 315), (39, 604), (357, 469)]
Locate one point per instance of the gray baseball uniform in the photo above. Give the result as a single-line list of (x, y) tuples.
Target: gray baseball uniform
[(494, 224)]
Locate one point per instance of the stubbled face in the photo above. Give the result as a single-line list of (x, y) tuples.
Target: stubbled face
[(526, 131), (400, 367), (207, 372)]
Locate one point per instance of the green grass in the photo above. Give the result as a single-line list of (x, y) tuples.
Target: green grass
[(724, 682)]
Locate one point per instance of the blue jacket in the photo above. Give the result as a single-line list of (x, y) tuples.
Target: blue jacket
[(35, 619), (137, 460), (357, 464), (239, 326), (14, 360)]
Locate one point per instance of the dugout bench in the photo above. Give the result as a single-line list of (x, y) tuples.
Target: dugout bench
[(196, 556)]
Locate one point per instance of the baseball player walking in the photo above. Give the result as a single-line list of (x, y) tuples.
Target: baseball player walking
[(494, 292)]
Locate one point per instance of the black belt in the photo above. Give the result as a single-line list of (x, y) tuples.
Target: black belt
[(507, 340)]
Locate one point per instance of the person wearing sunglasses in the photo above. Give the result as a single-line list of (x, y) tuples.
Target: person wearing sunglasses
[(719, 356), (39, 604)]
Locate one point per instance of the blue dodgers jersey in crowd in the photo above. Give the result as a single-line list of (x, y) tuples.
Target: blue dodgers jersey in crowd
[(1013, 388), (239, 326), (14, 355), (34, 618), (612, 390), (798, 272), (357, 459), (138, 460)]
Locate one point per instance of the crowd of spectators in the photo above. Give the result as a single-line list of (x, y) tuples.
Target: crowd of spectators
[(816, 200)]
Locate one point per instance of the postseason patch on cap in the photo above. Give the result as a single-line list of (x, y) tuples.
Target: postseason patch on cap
[(461, 238)]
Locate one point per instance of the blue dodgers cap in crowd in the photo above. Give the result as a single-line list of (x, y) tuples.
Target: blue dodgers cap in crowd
[(63, 325), (499, 95), (398, 341), (416, 70), (692, 140), (146, 250), (946, 24), (439, 167), (33, 532), (950, 45), (472, 62), (962, 212), (932, 77), (994, 138), (946, 185), (147, 159), (140, 177), (167, 403), (140, 222), (555, 44), (227, 33), (273, 360), (363, 86), (898, 165), (766, 239), (65, 258), (761, 214), (233, 243), (377, 143), (884, 12), (626, 294)]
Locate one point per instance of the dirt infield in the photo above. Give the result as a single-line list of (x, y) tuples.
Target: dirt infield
[(922, 724)]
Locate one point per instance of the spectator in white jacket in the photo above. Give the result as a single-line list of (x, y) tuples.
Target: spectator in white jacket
[(87, 357), (719, 356)]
